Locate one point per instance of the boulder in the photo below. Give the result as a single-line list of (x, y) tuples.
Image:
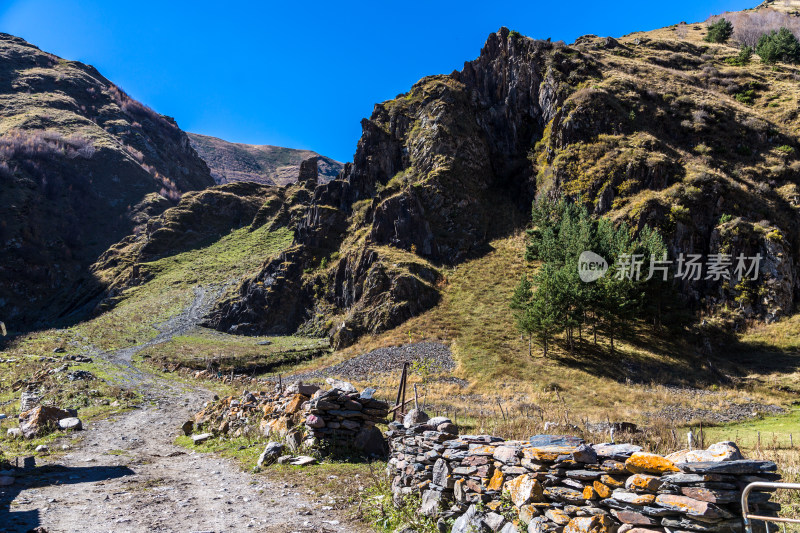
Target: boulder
[(187, 427), (414, 417), (14, 433), (270, 454), (371, 442), (39, 420)]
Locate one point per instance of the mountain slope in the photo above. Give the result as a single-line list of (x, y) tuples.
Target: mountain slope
[(81, 164), (657, 128), (271, 165)]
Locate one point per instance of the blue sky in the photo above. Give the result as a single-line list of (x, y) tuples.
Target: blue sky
[(302, 74)]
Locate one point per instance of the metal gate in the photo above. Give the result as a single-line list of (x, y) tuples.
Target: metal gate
[(747, 517)]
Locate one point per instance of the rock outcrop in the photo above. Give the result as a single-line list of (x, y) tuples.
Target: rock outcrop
[(444, 168), (80, 163)]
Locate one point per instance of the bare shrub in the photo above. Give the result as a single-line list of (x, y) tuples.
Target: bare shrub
[(43, 145)]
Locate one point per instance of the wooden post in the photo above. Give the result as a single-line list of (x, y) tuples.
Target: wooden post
[(401, 396), (416, 398), (405, 379)]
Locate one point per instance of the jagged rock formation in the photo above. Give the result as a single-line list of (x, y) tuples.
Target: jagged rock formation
[(81, 164), (653, 128), (271, 165)]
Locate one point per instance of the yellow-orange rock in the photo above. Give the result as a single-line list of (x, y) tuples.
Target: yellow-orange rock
[(547, 453), (527, 512), (612, 482), (295, 403), (496, 482), (649, 463), (640, 482), (524, 489), (589, 493), (482, 450), (590, 524), (603, 490)]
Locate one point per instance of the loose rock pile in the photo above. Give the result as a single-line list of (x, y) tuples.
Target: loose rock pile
[(302, 415), (551, 484)]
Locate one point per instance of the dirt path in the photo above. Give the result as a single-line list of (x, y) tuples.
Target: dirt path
[(125, 475)]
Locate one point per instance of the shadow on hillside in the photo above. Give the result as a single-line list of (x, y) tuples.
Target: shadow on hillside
[(682, 362), (43, 477)]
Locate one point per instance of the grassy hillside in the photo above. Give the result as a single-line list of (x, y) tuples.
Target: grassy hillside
[(272, 165)]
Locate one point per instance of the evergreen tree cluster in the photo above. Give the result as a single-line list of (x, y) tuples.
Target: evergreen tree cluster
[(557, 301), (778, 46), (719, 32)]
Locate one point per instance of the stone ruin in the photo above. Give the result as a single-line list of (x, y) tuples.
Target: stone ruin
[(560, 484), (302, 416)]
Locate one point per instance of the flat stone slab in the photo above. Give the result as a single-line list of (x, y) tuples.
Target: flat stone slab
[(555, 440), (619, 452), (742, 466), (197, 439)]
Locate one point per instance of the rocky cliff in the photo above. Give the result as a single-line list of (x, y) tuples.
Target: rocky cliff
[(657, 128), (81, 164)]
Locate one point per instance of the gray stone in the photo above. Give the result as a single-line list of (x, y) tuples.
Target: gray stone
[(5, 481), (42, 449), (14, 433), (341, 385), (509, 528), (555, 440), (706, 527), (742, 466), (414, 417), (271, 452), (494, 521), (585, 454), (437, 420), (73, 423), (470, 522), (431, 503), (197, 439), (584, 475), (303, 460), (618, 452), (441, 474)]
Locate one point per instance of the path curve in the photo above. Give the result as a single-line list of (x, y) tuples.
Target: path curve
[(124, 474)]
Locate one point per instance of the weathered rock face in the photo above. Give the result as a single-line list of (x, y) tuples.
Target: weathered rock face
[(79, 163), (437, 173), (442, 169)]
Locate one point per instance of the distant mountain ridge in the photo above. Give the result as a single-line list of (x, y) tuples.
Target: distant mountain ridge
[(270, 165)]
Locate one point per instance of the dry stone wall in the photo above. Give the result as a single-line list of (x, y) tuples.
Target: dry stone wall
[(560, 484), (301, 415)]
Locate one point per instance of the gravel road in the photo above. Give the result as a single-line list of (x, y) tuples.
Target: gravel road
[(124, 474), (384, 361)]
